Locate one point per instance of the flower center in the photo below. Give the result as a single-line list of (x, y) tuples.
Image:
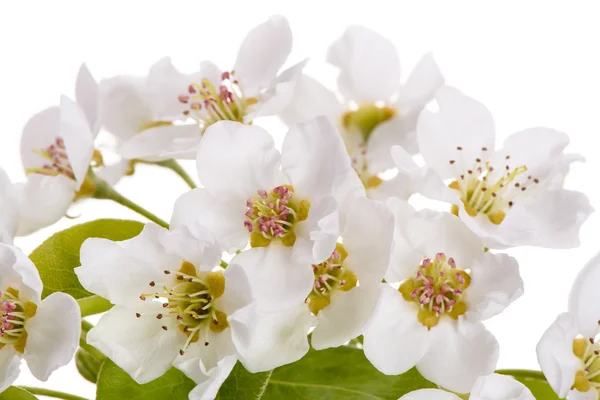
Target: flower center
[(588, 351), (13, 317), (57, 162), (190, 300), (487, 190), (330, 275), (437, 289), (208, 104), (272, 215)]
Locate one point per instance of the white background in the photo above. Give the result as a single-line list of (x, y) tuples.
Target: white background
[(530, 63)]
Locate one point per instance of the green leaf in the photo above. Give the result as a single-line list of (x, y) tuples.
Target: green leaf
[(56, 258), (340, 373), (540, 388), (242, 385), (15, 393), (114, 383)]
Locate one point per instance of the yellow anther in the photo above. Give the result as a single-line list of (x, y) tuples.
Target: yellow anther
[(428, 318), (372, 182), (458, 309), (215, 281), (454, 209), (582, 384), (317, 303), (470, 210), (496, 217), (188, 268)]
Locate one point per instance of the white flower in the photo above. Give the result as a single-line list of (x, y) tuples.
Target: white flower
[(57, 148), (250, 90), (173, 307), (490, 387), (9, 209), (569, 352), (511, 196), (376, 111), (44, 333), (448, 285), (345, 286), (283, 203)]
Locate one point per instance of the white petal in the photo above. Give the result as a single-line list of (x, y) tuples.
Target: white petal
[(113, 173), (156, 143), (277, 281), (9, 208), (262, 53), (124, 106), (44, 201), (495, 284), (367, 232), (17, 271), (429, 394), (310, 100), (224, 219), (346, 317), (140, 346), (460, 122), (87, 96), (195, 244), (236, 160), (460, 352), (40, 131), (555, 354), (122, 271), (79, 139), (314, 158), (317, 235), (201, 359), (591, 394), (499, 387), (559, 215), (208, 388), (369, 65), (420, 87), (238, 292), (584, 299), (390, 133), (277, 338), (400, 186), (163, 86), (52, 335), (10, 366), (395, 340), (434, 232), (278, 95)]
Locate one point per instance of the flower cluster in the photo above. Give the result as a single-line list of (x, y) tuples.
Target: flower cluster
[(323, 243)]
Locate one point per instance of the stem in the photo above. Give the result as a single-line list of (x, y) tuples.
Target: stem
[(106, 192), (523, 373), (93, 305), (85, 328), (52, 393), (178, 169)]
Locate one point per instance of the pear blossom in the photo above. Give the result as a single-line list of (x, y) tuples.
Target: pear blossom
[(284, 204), (568, 352), (57, 149), (510, 196), (43, 332), (373, 109), (173, 306), (490, 387), (9, 209), (345, 287), (252, 89), (448, 284)]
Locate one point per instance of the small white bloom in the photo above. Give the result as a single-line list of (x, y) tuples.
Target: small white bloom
[(448, 285), (57, 149), (569, 351), (511, 196), (286, 204), (345, 286), (9, 209), (490, 387), (376, 111), (44, 333), (252, 89), (173, 307)]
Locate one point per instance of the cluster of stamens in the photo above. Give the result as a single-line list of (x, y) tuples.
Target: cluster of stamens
[(330, 275), (190, 300), (208, 104), (57, 162), (487, 190), (588, 350), (13, 316), (273, 214), (437, 288)]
